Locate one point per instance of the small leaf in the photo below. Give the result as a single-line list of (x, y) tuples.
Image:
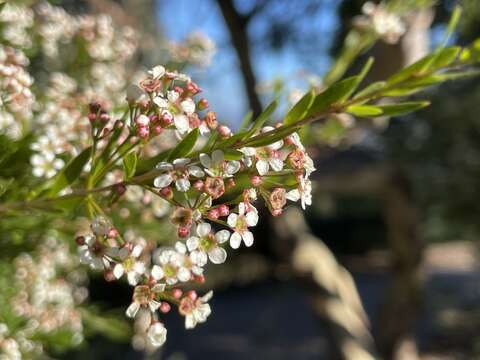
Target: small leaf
[(263, 117), (70, 173), (130, 164), (273, 136), (185, 146), (246, 121), (403, 108), (453, 23), (370, 89), (231, 154), (334, 94), (444, 57), (364, 110), (300, 109), (144, 165)]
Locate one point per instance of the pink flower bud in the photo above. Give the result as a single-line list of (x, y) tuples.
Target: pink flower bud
[(165, 307), (211, 120), (104, 117), (199, 279), (230, 183), (198, 185), (166, 120), (108, 275), (157, 130), (202, 104), (143, 132), (192, 88), (224, 210), (167, 192), (120, 189), (133, 140), (289, 140), (142, 120), (154, 118), (177, 293), (178, 89), (183, 231), (192, 294), (112, 233), (256, 180), (224, 131), (92, 117), (277, 212), (214, 214)]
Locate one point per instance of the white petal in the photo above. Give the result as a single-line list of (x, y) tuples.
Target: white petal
[(190, 321), (188, 105), (164, 166), (182, 185), (137, 250), (247, 238), (235, 240), (157, 72), (153, 305), (222, 236), (160, 102), (232, 220), (262, 166), (205, 160), (251, 218), (232, 167), (276, 164), (203, 229), (241, 208), (132, 309), (199, 257), (192, 243), (217, 157), (184, 275), (162, 181), (172, 95), (180, 247), (217, 255), (157, 272), (249, 151), (181, 162), (118, 271), (181, 123), (196, 171), (293, 195), (133, 278)]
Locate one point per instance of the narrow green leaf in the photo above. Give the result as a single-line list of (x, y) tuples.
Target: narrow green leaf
[(403, 108), (453, 23), (144, 165), (277, 134), (232, 154), (370, 89), (130, 164), (233, 139), (246, 121), (444, 57), (300, 109), (364, 110), (185, 146), (69, 173), (263, 117)]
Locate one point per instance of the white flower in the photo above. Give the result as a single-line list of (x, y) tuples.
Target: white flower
[(172, 96), (197, 311), (179, 172), (94, 254), (174, 265), (181, 123), (188, 105), (207, 244), (144, 296), (157, 334), (240, 224), (160, 102), (46, 165), (130, 265), (217, 166), (303, 193)]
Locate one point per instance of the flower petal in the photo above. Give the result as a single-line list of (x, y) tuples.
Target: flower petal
[(182, 185), (235, 240), (247, 238), (217, 255), (276, 164), (157, 272), (192, 243), (132, 309), (217, 157), (196, 171), (205, 160), (232, 220), (222, 236), (162, 181), (262, 166)]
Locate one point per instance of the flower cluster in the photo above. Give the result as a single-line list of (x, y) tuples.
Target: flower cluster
[(210, 196), (196, 49), (387, 25)]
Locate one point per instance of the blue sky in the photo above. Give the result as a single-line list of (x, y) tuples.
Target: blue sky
[(221, 82)]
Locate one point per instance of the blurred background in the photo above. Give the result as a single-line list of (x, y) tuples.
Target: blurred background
[(384, 264)]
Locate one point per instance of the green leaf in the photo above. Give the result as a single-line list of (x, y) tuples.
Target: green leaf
[(364, 110), (403, 108), (130, 164), (231, 154), (2, 5), (246, 121), (263, 117), (185, 146), (444, 57), (144, 165), (275, 135), (300, 109), (453, 23), (370, 89), (69, 173), (233, 139)]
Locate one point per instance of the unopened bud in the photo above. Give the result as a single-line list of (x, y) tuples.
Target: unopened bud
[(80, 240), (224, 210), (224, 131), (230, 183), (198, 185), (92, 117), (256, 180), (211, 120), (202, 104), (214, 214), (157, 130), (177, 293), (143, 132), (165, 307), (167, 193), (192, 294), (112, 233), (183, 231), (104, 117), (120, 189)]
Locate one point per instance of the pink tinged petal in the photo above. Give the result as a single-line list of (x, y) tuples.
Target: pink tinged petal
[(162, 181), (251, 218), (118, 271), (262, 166), (203, 229), (276, 164), (217, 255), (232, 167), (222, 236), (247, 238), (192, 243), (205, 160), (235, 240), (232, 220), (132, 310), (217, 157), (196, 171), (182, 185), (276, 145), (157, 272), (184, 275)]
